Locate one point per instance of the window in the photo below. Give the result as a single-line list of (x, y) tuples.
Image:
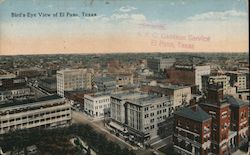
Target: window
[(224, 114), (152, 127)]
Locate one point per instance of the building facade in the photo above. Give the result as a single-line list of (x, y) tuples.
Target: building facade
[(97, 105), (188, 74), (142, 114), (179, 95), (105, 84), (192, 131), (158, 64), (45, 112), (72, 79), (145, 116), (124, 80), (14, 88), (216, 106), (228, 125), (239, 119), (238, 79)]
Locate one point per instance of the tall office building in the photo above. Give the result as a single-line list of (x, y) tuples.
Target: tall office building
[(157, 64), (72, 79), (141, 114)]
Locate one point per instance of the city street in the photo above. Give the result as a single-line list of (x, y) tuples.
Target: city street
[(79, 117), (82, 118)]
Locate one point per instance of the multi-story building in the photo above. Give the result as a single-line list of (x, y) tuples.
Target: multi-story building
[(239, 119), (6, 75), (44, 112), (238, 79), (157, 64), (72, 79), (124, 80), (218, 108), (97, 105), (210, 79), (118, 105), (48, 84), (107, 84), (180, 95), (140, 113), (14, 88), (192, 131), (223, 79), (31, 72), (146, 115), (229, 124), (188, 74)]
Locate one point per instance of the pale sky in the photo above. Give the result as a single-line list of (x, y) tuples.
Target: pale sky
[(123, 26)]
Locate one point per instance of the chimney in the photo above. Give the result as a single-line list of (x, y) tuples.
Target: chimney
[(215, 93), (194, 107), (193, 101)]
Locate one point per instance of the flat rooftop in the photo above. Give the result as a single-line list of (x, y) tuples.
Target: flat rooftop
[(28, 101), (150, 99), (175, 87), (130, 95)]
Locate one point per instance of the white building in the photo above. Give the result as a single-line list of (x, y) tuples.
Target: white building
[(118, 104), (199, 72), (180, 95), (72, 79), (44, 112), (141, 114), (223, 79), (97, 105), (124, 80)]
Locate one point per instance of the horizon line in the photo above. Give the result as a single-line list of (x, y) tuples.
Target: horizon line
[(104, 53)]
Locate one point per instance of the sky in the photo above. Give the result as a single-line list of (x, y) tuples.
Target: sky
[(123, 26)]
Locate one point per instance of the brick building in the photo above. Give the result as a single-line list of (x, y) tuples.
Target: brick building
[(216, 106), (229, 123), (192, 131), (188, 74)]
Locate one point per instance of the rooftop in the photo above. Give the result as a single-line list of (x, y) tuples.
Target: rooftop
[(49, 80), (147, 100), (28, 101), (175, 87), (104, 79), (194, 113), (17, 87), (130, 95), (235, 102)]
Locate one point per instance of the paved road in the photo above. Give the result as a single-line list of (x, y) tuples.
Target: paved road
[(82, 118), (79, 117)]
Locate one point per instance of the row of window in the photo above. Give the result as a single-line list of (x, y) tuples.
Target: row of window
[(104, 106), (33, 116), (158, 106), (37, 121), (15, 111)]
